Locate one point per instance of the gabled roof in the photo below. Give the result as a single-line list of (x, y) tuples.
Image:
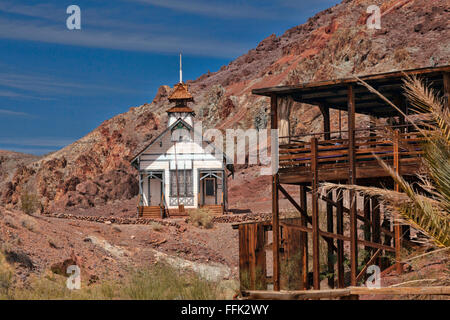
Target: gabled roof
[(168, 129), (180, 92)]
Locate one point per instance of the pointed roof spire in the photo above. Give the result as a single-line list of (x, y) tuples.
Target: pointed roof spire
[(181, 69), (180, 94)]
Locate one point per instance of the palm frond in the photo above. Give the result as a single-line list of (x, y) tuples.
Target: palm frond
[(423, 98)]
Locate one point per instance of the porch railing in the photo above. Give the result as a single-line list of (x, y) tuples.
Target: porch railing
[(335, 153)]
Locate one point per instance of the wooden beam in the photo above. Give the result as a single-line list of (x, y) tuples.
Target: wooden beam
[(338, 293), (369, 263), (329, 235), (359, 217), (315, 215), (304, 237), (303, 213), (352, 181), (402, 291), (295, 295)]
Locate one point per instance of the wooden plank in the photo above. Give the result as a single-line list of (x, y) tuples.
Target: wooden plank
[(293, 259), (315, 215), (295, 295), (401, 291), (244, 266), (339, 293)]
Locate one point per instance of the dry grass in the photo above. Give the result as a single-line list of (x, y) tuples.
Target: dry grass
[(6, 277), (29, 223), (201, 218), (29, 203), (10, 222), (159, 282), (156, 226)]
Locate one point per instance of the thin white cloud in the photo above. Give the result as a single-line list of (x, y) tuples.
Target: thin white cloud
[(5, 112), (210, 8), (40, 10), (49, 85), (34, 151), (37, 141), (113, 39)]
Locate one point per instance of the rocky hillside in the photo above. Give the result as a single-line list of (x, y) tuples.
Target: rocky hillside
[(334, 43)]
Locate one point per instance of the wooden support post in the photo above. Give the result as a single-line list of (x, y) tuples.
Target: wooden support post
[(397, 226), (330, 244), (304, 238), (367, 223), (275, 205), (275, 234), (327, 136), (340, 243), (315, 215), (352, 181), (376, 234), (447, 88), (326, 121)]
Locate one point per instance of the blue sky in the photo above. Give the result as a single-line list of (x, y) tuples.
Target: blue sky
[(56, 84)]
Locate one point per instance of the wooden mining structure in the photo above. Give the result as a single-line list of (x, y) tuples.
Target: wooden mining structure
[(344, 157)]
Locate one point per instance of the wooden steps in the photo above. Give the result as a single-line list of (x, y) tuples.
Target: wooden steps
[(216, 210), (150, 212)]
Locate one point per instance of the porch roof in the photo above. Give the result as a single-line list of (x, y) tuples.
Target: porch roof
[(333, 93)]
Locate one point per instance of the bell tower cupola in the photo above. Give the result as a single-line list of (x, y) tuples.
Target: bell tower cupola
[(181, 97)]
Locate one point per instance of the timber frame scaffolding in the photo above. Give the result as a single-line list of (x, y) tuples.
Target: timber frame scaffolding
[(344, 157)]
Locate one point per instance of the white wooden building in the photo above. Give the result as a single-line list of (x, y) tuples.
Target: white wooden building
[(178, 173)]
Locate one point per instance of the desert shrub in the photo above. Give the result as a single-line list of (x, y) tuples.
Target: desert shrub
[(10, 222), (6, 277), (201, 218), (29, 223), (156, 226), (29, 203), (259, 282), (292, 271), (117, 229)]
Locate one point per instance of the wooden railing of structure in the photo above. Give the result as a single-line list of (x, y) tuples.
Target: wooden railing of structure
[(334, 154)]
